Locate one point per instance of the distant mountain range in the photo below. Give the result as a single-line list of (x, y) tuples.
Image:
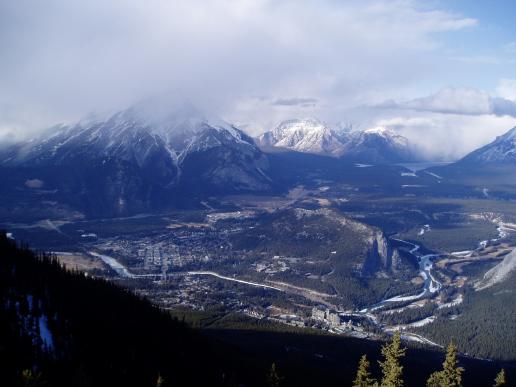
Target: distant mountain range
[(154, 155), (160, 142), (377, 145)]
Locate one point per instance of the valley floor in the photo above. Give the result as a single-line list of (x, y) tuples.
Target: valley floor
[(293, 259)]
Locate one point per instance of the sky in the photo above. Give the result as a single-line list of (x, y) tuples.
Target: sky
[(441, 72)]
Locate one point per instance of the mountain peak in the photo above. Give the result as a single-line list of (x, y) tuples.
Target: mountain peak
[(306, 125), (167, 115), (378, 145), (502, 150), (381, 131), (509, 136), (385, 134), (153, 123), (308, 135)]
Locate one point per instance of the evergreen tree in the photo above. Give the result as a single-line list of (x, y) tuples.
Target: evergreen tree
[(436, 379), (160, 381), (452, 371), (363, 378), (500, 379), (392, 370), (451, 374), (30, 379), (273, 377)]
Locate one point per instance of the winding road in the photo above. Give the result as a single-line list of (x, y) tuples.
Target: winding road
[(213, 274)]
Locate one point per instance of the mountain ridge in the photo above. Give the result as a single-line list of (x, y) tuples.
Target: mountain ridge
[(306, 135), (136, 158), (375, 145), (501, 150)]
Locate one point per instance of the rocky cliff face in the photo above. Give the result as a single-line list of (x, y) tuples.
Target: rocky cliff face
[(381, 256), (500, 272)]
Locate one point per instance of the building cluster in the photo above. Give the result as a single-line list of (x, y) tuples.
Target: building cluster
[(182, 248), (335, 322), (271, 313), (271, 267), (326, 315), (216, 216)]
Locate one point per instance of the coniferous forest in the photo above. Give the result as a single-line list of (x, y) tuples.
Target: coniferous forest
[(61, 328)]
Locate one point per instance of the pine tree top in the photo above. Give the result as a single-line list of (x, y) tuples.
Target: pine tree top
[(363, 378), (392, 370), (500, 379)]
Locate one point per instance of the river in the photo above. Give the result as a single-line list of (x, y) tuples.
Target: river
[(432, 285)]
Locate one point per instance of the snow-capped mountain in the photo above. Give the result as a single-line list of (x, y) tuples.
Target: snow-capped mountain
[(308, 136), (377, 145), (487, 168), (136, 134), (142, 156), (502, 150)]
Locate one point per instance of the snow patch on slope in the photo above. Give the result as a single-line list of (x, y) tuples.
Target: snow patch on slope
[(378, 145), (499, 273), (501, 150), (307, 135)]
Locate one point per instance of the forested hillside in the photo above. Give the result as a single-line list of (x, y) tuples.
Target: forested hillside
[(485, 324), (65, 329)]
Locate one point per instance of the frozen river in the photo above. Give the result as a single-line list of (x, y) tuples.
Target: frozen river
[(432, 285)]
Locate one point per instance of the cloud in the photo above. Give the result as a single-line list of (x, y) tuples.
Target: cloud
[(447, 136), (477, 59), (453, 100), (65, 58), (462, 101), (503, 107), (295, 101), (507, 89)]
